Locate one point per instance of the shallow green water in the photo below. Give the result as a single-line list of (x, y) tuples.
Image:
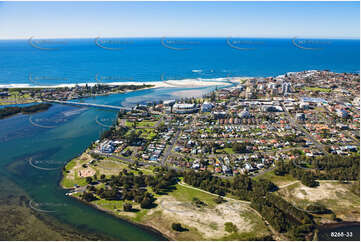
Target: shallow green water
[(49, 139)]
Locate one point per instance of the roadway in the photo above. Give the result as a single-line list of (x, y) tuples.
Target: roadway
[(169, 149), (299, 127)]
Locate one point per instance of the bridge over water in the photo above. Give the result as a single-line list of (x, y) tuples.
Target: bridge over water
[(119, 108)]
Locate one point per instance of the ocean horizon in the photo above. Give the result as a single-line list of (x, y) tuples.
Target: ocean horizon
[(60, 61)]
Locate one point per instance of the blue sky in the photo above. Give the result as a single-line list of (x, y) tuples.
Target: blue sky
[(158, 19)]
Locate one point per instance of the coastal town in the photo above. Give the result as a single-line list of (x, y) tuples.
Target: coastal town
[(245, 128), (146, 166)]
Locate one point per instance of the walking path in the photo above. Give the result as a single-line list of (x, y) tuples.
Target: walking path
[(299, 127), (277, 235)]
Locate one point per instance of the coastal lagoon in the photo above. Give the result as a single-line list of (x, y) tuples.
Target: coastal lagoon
[(35, 147)]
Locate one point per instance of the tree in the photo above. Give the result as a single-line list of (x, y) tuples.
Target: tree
[(146, 203), (127, 207), (88, 196), (219, 200), (317, 208), (213, 97), (240, 148), (89, 179), (230, 227), (178, 227), (308, 180), (196, 201), (134, 125), (156, 189), (132, 137), (162, 127)]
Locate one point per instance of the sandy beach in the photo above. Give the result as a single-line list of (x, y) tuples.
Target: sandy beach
[(185, 83)]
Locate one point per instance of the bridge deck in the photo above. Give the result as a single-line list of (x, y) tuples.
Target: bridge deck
[(89, 105)]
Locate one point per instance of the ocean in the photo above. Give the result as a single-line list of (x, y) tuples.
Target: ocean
[(101, 60)]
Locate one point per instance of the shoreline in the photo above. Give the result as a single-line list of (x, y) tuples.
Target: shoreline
[(139, 225), (198, 82), (185, 83)]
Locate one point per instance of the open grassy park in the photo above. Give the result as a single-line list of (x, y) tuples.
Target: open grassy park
[(196, 210)]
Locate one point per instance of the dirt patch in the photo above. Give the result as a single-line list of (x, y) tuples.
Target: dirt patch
[(332, 194), (86, 172), (208, 222), (323, 191), (109, 167)]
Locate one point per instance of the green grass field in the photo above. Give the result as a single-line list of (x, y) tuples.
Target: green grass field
[(278, 180), (229, 151), (149, 124), (314, 89), (186, 194)]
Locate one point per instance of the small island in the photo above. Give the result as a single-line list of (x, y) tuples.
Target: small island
[(9, 111)]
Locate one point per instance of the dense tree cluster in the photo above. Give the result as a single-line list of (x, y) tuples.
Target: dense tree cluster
[(8, 111), (241, 186), (114, 133), (206, 181), (130, 187), (178, 227), (317, 208), (283, 216), (332, 167), (88, 196), (102, 88), (127, 207), (230, 227), (241, 147)]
